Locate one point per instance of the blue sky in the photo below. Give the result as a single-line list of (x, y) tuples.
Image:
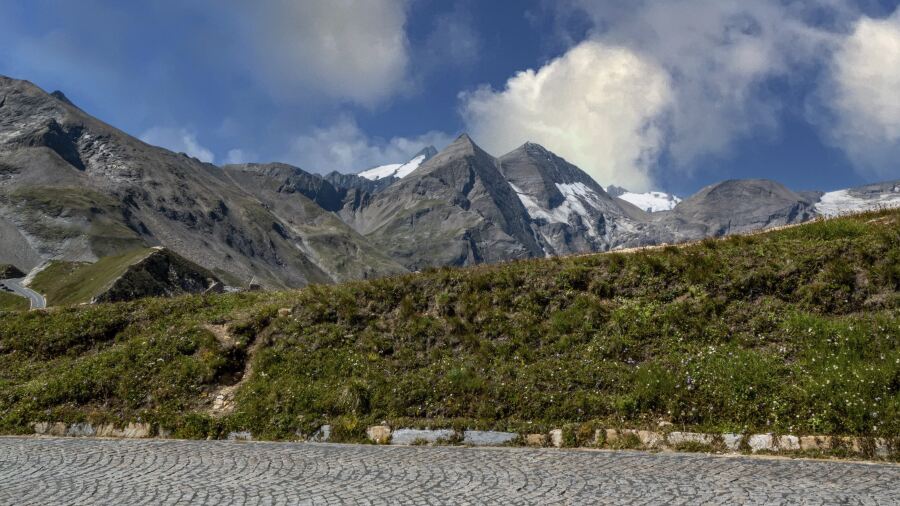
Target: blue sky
[(663, 94)]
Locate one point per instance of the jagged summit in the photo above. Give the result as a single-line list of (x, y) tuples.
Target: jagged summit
[(62, 97), (462, 145), (427, 152)]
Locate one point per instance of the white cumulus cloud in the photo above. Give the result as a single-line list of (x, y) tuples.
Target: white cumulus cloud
[(344, 147), (602, 107), (180, 140), (354, 50), (862, 96), (721, 56)]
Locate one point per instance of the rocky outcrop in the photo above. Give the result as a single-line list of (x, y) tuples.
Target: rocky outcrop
[(161, 273), (8, 271)]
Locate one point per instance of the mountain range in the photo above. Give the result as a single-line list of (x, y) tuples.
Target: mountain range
[(74, 188)]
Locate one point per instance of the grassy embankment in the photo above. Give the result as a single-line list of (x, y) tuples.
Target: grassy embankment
[(11, 302), (791, 331), (65, 283)]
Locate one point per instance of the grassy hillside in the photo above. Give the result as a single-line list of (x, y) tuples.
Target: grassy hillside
[(75, 282), (11, 302), (790, 331)]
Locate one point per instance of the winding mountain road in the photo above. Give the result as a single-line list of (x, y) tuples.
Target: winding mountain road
[(37, 300)]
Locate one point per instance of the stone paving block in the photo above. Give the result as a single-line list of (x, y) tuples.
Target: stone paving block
[(761, 442), (536, 439), (488, 437), (556, 438), (788, 443), (732, 441), (86, 471), (415, 436)]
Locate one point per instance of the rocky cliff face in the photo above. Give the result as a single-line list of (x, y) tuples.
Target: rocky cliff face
[(304, 204)]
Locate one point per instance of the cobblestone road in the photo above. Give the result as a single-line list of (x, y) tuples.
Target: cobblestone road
[(84, 471)]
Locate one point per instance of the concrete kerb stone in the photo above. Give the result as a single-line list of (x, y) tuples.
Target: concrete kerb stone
[(680, 438), (488, 437), (536, 439), (788, 443), (416, 436), (651, 439), (556, 438), (815, 443), (379, 434), (611, 435), (322, 435), (383, 434), (732, 441), (761, 442), (80, 430)]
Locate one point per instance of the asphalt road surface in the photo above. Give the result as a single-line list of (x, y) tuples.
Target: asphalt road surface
[(37, 300), (122, 472)]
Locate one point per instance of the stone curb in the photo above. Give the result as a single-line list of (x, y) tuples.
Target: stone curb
[(609, 438)]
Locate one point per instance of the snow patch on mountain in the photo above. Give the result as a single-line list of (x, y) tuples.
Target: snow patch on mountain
[(398, 170), (382, 171), (843, 202), (651, 201), (578, 197)]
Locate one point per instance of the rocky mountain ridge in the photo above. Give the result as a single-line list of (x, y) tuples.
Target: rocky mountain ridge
[(73, 188)]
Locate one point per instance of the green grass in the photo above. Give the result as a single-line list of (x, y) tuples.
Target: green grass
[(75, 282), (794, 331), (10, 302)]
